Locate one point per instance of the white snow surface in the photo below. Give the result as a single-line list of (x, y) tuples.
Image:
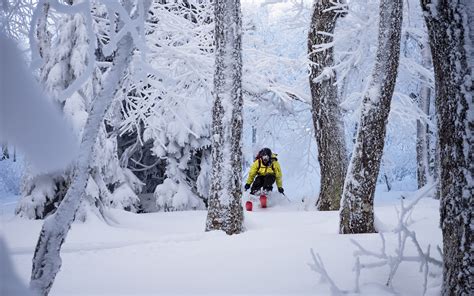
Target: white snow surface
[(169, 253)]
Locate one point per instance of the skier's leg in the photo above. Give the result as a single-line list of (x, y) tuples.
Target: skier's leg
[(257, 184), (268, 182)]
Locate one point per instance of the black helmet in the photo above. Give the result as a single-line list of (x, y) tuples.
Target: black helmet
[(266, 151)]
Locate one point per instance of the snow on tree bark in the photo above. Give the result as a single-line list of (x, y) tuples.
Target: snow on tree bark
[(225, 209), (47, 260), (357, 204), (451, 33), (42, 33), (327, 117), (5, 154), (423, 172), (423, 134)]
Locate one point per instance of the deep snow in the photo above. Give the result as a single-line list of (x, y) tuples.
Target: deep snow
[(169, 253)]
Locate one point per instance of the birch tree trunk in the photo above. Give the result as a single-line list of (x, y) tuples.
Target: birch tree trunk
[(451, 32), (327, 116), (423, 135), (47, 259), (357, 212), (225, 208), (42, 33)]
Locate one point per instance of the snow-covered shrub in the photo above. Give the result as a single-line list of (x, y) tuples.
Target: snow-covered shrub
[(10, 176), (172, 196), (38, 193)]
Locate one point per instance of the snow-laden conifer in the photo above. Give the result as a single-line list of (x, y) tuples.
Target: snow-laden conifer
[(67, 62), (166, 103)]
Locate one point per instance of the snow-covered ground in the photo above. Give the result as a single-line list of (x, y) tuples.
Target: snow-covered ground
[(169, 253)]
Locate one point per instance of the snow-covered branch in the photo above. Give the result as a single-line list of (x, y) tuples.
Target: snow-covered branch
[(402, 231), (318, 266), (383, 258)]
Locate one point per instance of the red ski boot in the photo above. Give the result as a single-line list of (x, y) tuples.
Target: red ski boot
[(263, 201), (248, 206)]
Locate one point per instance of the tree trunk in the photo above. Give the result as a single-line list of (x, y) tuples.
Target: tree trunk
[(42, 33), (5, 154), (357, 213), (47, 260), (451, 32), (423, 135), (327, 117), (225, 208)]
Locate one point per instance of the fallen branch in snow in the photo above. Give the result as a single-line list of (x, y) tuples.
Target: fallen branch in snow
[(318, 267), (383, 258), (403, 233)]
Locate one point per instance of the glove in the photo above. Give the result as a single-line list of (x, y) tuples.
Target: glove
[(247, 186), (281, 190)]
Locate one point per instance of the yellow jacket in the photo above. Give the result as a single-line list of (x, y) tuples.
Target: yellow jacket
[(258, 168)]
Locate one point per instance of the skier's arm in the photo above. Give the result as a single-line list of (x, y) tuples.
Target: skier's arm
[(278, 174), (252, 172)]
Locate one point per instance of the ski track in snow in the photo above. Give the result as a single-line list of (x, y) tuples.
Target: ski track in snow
[(93, 247)]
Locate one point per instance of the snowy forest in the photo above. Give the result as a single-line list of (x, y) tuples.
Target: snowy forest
[(227, 147)]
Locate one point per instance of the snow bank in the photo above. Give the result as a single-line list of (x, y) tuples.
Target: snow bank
[(167, 253)]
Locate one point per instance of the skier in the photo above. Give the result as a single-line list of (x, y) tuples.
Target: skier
[(267, 169)]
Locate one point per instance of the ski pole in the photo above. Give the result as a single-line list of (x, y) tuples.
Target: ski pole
[(286, 197)]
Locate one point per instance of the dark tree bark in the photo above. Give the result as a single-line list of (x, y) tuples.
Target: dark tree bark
[(225, 208), (327, 116), (357, 213), (140, 159), (451, 33)]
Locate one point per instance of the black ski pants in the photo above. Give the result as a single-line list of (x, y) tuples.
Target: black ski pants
[(262, 181)]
